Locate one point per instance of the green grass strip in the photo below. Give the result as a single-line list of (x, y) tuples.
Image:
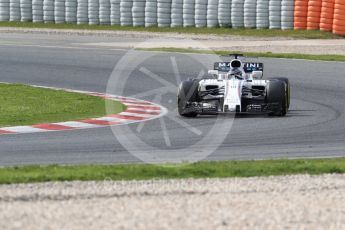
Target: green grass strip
[(223, 169), (317, 57), (298, 34), (27, 105)]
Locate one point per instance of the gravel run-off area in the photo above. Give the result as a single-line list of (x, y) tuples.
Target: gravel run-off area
[(134, 39), (287, 202)]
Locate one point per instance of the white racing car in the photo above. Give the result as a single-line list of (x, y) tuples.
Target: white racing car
[(236, 87)]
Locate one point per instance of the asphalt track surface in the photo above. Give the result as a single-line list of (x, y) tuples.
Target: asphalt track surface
[(314, 127)]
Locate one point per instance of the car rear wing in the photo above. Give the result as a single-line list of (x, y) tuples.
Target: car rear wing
[(248, 67)]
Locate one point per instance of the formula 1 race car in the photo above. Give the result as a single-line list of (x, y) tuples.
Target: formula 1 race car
[(236, 87)]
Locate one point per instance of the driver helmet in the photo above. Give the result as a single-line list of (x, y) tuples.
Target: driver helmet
[(235, 72)]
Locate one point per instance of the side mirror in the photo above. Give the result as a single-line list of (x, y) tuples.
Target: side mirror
[(257, 74), (213, 72)]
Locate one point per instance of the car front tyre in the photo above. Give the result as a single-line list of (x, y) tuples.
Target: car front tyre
[(277, 94)]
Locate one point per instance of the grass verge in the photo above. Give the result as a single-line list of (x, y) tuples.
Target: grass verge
[(301, 34), (26, 105), (223, 169), (340, 58)]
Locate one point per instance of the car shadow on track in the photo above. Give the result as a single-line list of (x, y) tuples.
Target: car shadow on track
[(291, 113)]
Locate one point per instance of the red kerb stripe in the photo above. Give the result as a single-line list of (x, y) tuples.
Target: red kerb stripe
[(52, 127), (126, 117), (5, 132)]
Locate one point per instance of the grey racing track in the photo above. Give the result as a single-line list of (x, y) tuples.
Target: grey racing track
[(314, 127)]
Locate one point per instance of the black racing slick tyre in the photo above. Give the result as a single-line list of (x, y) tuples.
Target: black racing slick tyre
[(187, 92), (277, 96), (287, 82)]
